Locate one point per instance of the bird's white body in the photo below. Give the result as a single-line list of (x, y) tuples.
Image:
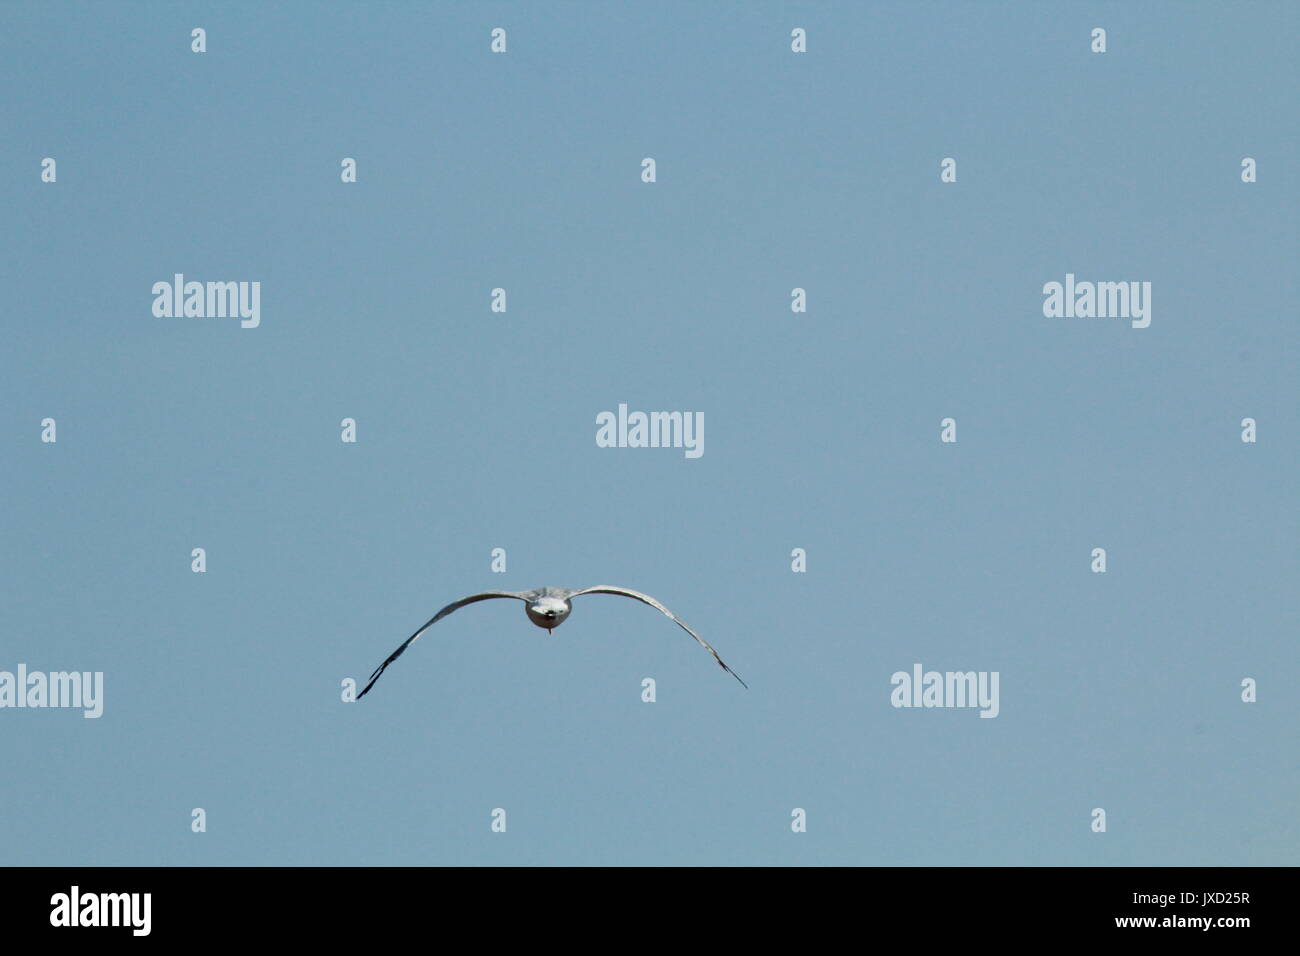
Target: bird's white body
[(548, 611)]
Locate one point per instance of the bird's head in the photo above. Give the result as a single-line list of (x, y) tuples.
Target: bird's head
[(549, 612)]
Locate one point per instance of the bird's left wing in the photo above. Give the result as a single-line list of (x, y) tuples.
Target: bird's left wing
[(647, 599), (454, 606)]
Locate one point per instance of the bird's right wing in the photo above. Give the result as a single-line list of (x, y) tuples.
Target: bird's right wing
[(454, 606)]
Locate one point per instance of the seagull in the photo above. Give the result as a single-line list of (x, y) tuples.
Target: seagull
[(548, 608)]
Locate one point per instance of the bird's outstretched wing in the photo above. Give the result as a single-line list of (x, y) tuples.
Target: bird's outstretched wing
[(647, 599), (454, 606)]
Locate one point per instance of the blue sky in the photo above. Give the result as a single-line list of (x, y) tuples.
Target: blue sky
[(476, 430)]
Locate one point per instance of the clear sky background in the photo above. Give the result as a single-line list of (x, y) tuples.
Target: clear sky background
[(476, 430)]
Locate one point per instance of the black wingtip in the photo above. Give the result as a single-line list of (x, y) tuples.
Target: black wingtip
[(733, 674), (369, 684)]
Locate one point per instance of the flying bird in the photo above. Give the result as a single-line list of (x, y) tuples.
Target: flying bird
[(548, 608)]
